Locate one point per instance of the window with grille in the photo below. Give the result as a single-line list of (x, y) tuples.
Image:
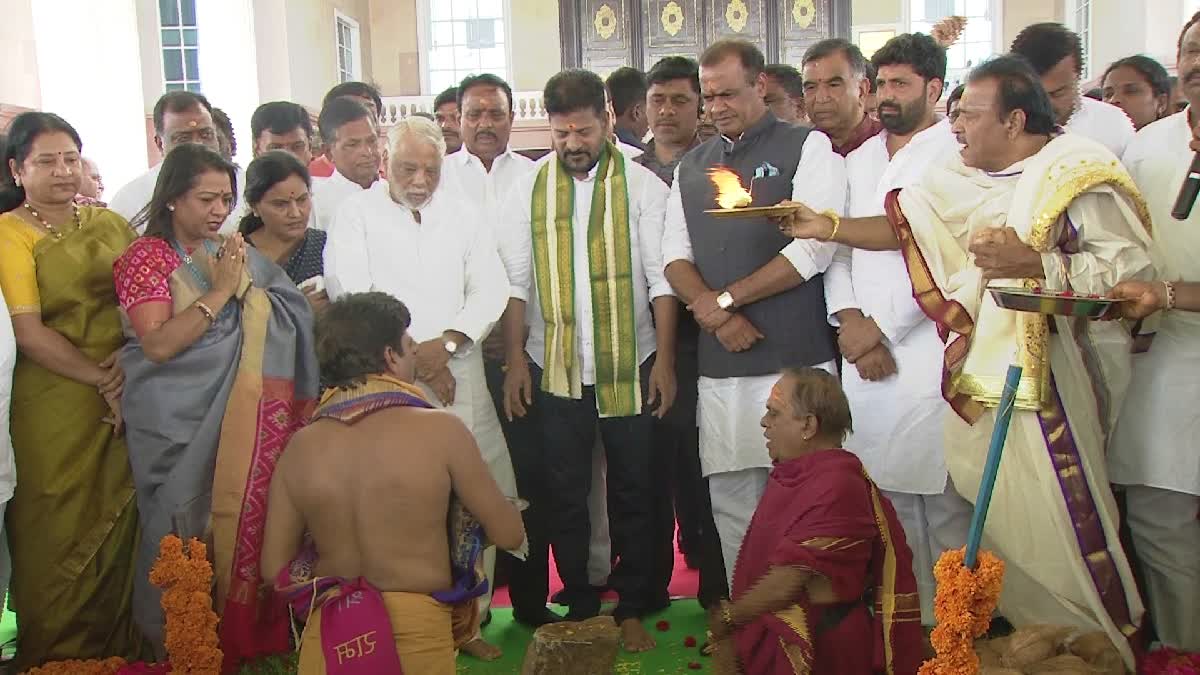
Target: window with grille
[(978, 41), (348, 55), (465, 37), (1081, 23), (180, 45)]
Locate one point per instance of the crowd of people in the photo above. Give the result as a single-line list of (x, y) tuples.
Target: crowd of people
[(367, 371)]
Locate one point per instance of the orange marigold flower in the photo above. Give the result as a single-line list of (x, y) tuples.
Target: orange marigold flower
[(963, 607), (191, 625)]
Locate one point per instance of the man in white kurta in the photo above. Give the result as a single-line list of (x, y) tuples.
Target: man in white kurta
[(435, 253), (1102, 122), (1025, 206), (894, 389), (770, 278), (1155, 453), (352, 144)]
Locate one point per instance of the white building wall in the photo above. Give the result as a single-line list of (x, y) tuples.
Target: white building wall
[(228, 64)]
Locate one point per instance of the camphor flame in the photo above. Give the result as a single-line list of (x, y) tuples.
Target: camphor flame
[(730, 193)]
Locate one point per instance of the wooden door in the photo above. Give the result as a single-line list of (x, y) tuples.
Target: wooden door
[(602, 35)]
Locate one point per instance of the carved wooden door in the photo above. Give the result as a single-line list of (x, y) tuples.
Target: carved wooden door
[(602, 35)]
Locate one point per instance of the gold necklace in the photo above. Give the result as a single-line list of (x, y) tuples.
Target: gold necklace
[(50, 228)]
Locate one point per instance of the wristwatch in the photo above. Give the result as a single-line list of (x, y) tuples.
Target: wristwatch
[(451, 347), (725, 300)]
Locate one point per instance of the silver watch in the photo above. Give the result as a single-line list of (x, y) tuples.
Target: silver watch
[(451, 347), (725, 300)]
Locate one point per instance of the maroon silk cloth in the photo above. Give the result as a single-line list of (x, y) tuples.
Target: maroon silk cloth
[(823, 514)]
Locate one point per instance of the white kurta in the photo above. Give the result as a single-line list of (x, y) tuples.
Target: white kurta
[(446, 270), (1104, 123), (8, 360), (647, 199), (493, 186), (897, 421), (1155, 442), (135, 195), (328, 195), (730, 408)]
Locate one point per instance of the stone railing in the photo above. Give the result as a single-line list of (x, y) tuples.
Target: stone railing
[(527, 108)]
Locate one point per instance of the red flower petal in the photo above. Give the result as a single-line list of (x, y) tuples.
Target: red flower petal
[(689, 642), (663, 626), (694, 666)]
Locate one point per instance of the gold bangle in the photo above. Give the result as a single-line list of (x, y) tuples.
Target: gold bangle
[(206, 311), (727, 617), (837, 222), (1170, 294)]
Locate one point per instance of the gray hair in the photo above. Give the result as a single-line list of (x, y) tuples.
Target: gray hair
[(424, 129)]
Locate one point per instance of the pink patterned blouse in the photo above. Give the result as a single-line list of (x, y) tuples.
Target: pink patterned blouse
[(142, 272)]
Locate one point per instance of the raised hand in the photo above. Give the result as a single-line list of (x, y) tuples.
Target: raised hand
[(229, 265)]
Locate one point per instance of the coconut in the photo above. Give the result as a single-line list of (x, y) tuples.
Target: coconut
[(999, 670), (988, 656), (1064, 664), (1027, 648), (1097, 649)]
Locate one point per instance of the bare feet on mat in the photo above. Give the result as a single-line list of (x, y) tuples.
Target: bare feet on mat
[(482, 650), (635, 638)]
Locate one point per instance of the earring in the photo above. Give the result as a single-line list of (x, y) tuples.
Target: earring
[(17, 180), (170, 207)]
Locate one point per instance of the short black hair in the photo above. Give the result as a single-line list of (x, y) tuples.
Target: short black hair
[(750, 56), (1153, 71), (280, 117), (675, 68), (357, 89), (626, 88), (265, 172), (788, 77), (1019, 89), (225, 125), (17, 145), (337, 113), (573, 90), (1187, 26), (180, 170), (872, 78), (955, 95), (178, 102), (831, 46), (1044, 45), (926, 57), (483, 80), (447, 96), (353, 333)]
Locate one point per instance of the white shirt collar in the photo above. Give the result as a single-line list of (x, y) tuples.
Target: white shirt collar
[(337, 176), (466, 158)]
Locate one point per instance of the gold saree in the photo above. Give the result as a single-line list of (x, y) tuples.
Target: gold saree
[(72, 523)]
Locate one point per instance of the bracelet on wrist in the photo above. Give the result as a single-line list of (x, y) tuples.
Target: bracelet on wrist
[(835, 219), (206, 311), (1170, 289)]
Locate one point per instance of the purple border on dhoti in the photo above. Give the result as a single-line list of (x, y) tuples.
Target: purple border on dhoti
[(1081, 506)]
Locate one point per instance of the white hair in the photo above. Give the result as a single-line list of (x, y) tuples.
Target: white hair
[(424, 129)]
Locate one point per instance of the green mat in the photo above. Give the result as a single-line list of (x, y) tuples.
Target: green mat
[(685, 617)]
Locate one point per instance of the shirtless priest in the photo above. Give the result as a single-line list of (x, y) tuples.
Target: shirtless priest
[(373, 479)]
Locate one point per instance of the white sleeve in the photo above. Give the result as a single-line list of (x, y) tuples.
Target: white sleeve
[(839, 285), (820, 183), (677, 243), (1109, 251), (347, 261), (1122, 131), (515, 243), (652, 208), (486, 288)]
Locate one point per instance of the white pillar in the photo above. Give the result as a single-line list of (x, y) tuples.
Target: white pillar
[(90, 73), (229, 64)]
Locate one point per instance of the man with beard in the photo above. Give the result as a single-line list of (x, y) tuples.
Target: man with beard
[(673, 106), (446, 111), (1026, 207), (585, 259), (835, 92), (419, 240), (1153, 452), (351, 137), (785, 93), (891, 352), (757, 296), (1056, 55)]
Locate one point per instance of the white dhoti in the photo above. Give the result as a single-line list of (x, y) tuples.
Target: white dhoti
[(932, 525), (1166, 536)]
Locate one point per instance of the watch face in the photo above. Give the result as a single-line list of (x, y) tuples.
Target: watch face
[(451, 346)]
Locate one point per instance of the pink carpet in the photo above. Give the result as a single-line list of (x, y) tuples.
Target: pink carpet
[(685, 583)]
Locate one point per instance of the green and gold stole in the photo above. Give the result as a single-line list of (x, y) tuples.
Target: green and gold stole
[(610, 268)]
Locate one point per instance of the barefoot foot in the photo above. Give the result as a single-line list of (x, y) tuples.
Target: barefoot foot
[(635, 638), (482, 650)]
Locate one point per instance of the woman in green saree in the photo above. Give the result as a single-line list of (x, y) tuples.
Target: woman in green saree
[(72, 523)]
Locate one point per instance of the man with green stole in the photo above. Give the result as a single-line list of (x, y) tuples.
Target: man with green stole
[(584, 252), (1023, 205)]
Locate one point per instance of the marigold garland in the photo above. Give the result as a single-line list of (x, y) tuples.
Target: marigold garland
[(75, 667), (963, 607), (191, 623)]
